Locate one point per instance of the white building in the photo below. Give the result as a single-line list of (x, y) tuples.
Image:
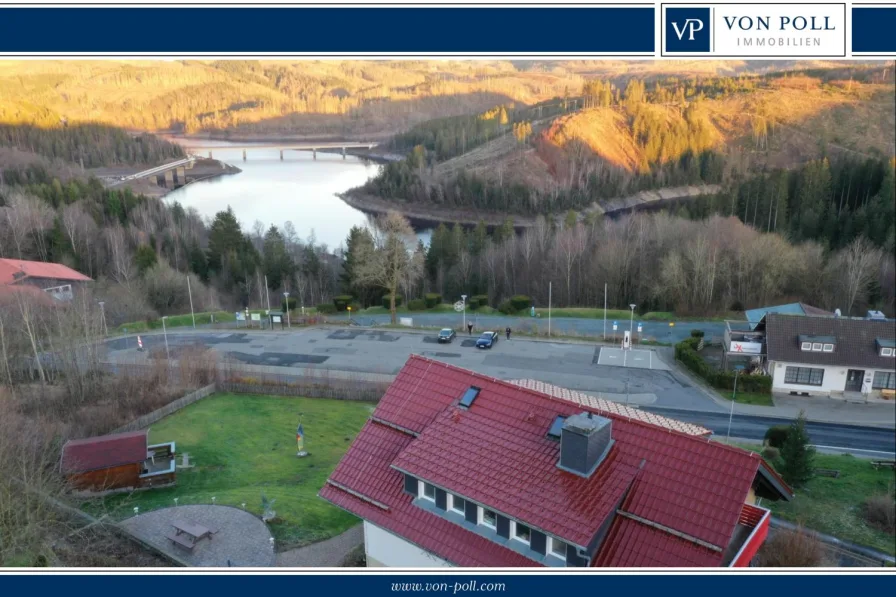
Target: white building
[(819, 356)]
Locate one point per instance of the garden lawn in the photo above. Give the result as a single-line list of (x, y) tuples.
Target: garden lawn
[(244, 446), (834, 506), (748, 397)]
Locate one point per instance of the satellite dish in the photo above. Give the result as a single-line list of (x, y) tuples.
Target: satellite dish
[(837, 313), (459, 306)]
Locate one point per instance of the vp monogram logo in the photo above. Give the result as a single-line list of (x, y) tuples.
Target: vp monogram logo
[(687, 29), (691, 26)]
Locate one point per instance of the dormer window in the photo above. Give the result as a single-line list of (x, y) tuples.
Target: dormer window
[(521, 532), (806, 346), (558, 548), (886, 352), (816, 346), (458, 504), (828, 348), (489, 518), (428, 491), (886, 347)]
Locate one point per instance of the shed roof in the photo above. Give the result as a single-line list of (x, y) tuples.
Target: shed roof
[(104, 451)]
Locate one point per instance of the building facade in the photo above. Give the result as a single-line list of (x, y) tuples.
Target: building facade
[(831, 356), (59, 281)]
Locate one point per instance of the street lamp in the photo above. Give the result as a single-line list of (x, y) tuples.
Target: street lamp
[(103, 313), (737, 370), (288, 322), (632, 320), (349, 314), (165, 332), (463, 299)]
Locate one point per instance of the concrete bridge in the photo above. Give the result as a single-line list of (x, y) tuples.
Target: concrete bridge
[(312, 147), (174, 172)]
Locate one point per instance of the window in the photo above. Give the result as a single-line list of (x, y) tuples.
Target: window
[(556, 427), (469, 396), (521, 532), (884, 380), (804, 375), (828, 348), (816, 347), (489, 519), (558, 548), (886, 352), (429, 492), (458, 504), (806, 346)]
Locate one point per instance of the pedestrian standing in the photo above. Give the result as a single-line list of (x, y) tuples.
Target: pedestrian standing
[(470, 328), (507, 331)]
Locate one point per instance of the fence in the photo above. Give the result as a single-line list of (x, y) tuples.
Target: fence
[(150, 418)]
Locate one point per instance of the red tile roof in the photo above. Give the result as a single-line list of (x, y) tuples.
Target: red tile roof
[(497, 453), (601, 405), (105, 451), (9, 268)]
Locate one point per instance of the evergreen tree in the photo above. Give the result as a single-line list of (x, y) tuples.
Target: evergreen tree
[(145, 258), (277, 264), (798, 454)]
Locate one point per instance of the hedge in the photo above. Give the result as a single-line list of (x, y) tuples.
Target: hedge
[(686, 353), (342, 301), (478, 300), (506, 308), (386, 301), (288, 304), (417, 305), (697, 333), (520, 302), (776, 435), (433, 299), (326, 309)]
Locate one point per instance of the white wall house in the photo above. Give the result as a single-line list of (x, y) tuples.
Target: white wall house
[(828, 356), (382, 548)]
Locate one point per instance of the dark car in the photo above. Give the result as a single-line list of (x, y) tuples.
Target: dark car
[(446, 335), (487, 340)]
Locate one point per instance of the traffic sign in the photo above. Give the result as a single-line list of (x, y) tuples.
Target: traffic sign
[(615, 326), (639, 327)]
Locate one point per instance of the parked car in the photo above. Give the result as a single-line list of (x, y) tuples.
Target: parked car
[(487, 340), (446, 335)]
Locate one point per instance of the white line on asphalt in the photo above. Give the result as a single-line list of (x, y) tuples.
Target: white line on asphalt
[(854, 449), (624, 357), (650, 359)]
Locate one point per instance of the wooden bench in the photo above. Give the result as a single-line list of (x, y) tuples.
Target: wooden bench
[(883, 463), (181, 540), (827, 472)]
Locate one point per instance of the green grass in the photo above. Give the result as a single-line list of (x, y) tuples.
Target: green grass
[(177, 321), (244, 446), (834, 506), (748, 398)]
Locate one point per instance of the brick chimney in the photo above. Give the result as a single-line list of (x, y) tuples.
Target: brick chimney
[(585, 440)]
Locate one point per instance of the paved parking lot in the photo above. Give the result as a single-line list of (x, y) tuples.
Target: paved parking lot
[(638, 358)]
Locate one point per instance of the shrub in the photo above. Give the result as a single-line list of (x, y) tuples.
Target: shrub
[(417, 304), (433, 299), (757, 384), (356, 307), (697, 333), (776, 435), (880, 511), (798, 454), (342, 301), (736, 306), (771, 453), (288, 304), (520, 302), (507, 308), (481, 300), (326, 308), (792, 549), (386, 301)]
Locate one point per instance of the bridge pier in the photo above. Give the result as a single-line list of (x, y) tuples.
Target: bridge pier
[(209, 155), (244, 155), (314, 153), (181, 176), (169, 179), (281, 155), (343, 153)]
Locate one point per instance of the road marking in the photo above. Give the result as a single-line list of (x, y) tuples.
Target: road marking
[(624, 357), (854, 449), (650, 359)]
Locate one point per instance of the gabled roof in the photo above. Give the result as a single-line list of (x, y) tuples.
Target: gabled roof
[(15, 270), (104, 451), (601, 405), (497, 454), (855, 340), (755, 315)]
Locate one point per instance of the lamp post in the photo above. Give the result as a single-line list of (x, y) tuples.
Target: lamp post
[(103, 315), (190, 293), (349, 314), (165, 333), (631, 321), (288, 322), (463, 299), (733, 397)]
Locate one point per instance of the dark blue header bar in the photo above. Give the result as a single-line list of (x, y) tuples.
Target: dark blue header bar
[(219, 30), (874, 29)]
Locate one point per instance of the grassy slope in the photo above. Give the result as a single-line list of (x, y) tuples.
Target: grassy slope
[(244, 446)]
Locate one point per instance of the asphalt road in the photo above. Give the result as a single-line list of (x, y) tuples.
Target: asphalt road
[(349, 351)]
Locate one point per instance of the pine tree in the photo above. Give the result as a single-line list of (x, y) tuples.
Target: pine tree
[(798, 454)]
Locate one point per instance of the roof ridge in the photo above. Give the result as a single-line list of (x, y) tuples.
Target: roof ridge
[(511, 385)]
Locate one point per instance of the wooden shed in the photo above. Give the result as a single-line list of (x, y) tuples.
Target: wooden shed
[(121, 461)]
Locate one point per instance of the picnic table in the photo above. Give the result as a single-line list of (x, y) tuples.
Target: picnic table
[(186, 534)]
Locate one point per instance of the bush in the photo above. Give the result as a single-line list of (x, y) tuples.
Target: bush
[(342, 301), (356, 307), (288, 304), (507, 308), (792, 549), (478, 300), (798, 455), (520, 302), (417, 305), (697, 333), (776, 436), (755, 384), (326, 308), (772, 455), (386, 301), (736, 306), (880, 512), (433, 299)]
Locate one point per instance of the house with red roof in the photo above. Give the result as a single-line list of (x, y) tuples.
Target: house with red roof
[(58, 280), (117, 462), (455, 468)]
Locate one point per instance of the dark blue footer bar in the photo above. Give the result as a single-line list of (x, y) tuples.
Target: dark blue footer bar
[(293, 30), (874, 29)]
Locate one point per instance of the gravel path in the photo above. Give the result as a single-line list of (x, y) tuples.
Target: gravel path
[(242, 539), (329, 553)]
